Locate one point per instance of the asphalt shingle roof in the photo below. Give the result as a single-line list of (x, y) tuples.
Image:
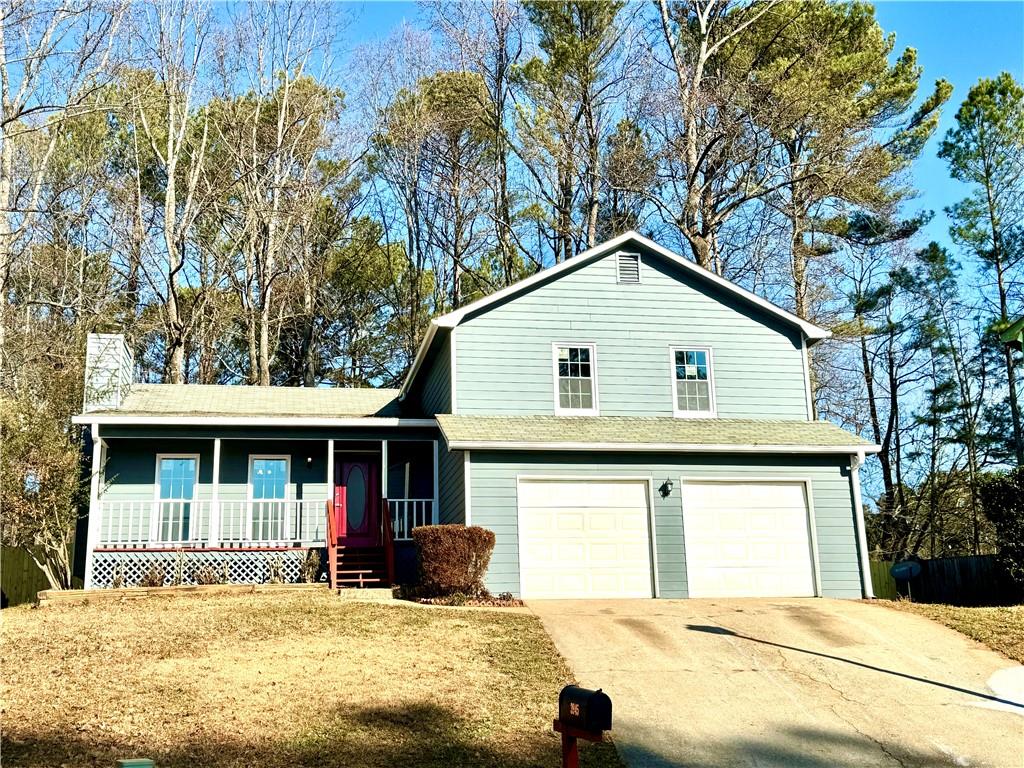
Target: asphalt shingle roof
[(668, 431), (220, 400)]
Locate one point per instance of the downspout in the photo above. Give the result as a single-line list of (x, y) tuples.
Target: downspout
[(867, 590)]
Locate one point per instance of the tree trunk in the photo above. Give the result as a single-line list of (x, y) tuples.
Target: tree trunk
[(593, 168), (997, 262), (876, 427), (6, 230)]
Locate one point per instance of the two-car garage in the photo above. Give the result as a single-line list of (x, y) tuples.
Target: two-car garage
[(595, 538)]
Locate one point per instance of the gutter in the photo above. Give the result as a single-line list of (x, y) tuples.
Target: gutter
[(511, 445), (251, 421)]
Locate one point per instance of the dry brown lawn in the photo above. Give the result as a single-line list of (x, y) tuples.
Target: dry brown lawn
[(279, 680), (1001, 629)]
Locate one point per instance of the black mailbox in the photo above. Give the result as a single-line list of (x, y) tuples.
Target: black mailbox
[(585, 709)]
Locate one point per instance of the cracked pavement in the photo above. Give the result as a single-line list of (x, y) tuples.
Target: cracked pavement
[(790, 682)]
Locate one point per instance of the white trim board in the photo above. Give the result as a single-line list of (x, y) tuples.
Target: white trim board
[(251, 421), (467, 489), (499, 445)]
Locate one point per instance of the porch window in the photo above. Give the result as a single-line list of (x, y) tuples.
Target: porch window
[(268, 491), (176, 486), (693, 381), (575, 379)]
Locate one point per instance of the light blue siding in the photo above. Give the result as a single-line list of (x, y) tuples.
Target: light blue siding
[(493, 478), (504, 357), (437, 383), (451, 476)]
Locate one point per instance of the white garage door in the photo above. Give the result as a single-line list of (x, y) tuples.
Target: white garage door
[(747, 539), (584, 538)]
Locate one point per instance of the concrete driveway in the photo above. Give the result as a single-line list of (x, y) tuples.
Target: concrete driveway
[(812, 682)]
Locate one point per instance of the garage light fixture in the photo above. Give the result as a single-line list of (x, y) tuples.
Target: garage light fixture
[(666, 489)]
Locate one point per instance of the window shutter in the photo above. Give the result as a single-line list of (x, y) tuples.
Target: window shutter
[(629, 268)]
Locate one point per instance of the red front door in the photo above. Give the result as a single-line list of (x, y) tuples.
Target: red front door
[(356, 503)]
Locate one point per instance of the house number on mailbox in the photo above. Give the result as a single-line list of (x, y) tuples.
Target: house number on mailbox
[(574, 709)]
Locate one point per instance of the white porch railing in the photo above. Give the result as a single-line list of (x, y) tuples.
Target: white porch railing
[(407, 514), (172, 524)]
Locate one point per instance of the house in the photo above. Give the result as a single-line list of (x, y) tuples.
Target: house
[(627, 423)]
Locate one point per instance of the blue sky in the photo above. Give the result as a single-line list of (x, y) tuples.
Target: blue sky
[(961, 42), (958, 41)]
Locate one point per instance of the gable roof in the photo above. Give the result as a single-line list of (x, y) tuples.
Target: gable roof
[(450, 320), (648, 433)]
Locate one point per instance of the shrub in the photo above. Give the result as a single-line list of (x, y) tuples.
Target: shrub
[(206, 574), (453, 558), (311, 566), (1002, 499), (275, 570), (155, 576)]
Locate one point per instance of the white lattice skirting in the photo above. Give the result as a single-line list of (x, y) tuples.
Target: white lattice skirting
[(180, 566)]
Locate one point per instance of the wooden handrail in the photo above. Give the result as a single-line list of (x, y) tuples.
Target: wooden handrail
[(388, 540), (332, 546)]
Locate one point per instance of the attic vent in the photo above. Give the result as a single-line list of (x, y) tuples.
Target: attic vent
[(629, 268)]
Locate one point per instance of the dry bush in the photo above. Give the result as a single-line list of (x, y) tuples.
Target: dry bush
[(453, 558), (206, 574), (311, 566), (155, 576)]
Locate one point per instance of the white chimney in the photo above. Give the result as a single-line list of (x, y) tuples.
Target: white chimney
[(108, 371)]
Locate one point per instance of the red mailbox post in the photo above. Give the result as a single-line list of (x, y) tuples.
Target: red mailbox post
[(582, 714)]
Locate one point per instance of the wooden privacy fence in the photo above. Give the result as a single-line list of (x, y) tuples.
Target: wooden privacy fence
[(20, 577), (882, 582), (968, 580)]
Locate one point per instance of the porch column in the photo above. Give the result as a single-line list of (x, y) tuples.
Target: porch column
[(384, 469), (213, 536), (330, 485), (95, 520), (437, 494)]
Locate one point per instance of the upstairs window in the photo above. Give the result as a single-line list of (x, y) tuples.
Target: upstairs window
[(692, 381), (575, 379), (629, 267)]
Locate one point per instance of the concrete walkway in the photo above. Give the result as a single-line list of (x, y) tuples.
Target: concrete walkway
[(812, 682)]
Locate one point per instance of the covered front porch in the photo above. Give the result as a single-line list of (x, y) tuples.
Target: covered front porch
[(251, 508)]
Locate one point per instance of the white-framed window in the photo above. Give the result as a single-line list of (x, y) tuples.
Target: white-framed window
[(177, 475), (268, 496), (575, 373), (693, 381)]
